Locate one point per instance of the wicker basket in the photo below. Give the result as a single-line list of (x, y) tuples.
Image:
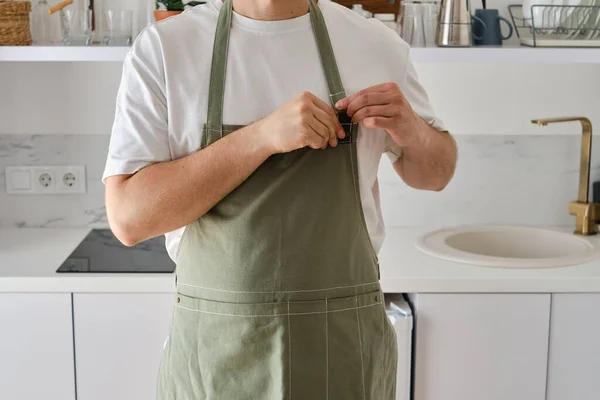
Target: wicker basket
[(14, 23)]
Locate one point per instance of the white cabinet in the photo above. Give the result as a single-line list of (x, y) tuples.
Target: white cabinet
[(36, 347), (481, 346), (119, 342), (574, 359)]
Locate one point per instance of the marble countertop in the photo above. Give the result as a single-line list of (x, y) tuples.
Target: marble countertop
[(29, 258)]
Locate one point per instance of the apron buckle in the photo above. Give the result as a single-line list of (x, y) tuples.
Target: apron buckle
[(347, 125)]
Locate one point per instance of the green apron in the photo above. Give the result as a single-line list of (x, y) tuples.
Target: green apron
[(278, 293)]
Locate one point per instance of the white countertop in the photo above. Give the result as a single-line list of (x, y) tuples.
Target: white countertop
[(29, 258), (406, 269)]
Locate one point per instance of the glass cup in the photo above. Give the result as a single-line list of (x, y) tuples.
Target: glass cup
[(419, 23), (118, 27), (76, 27)]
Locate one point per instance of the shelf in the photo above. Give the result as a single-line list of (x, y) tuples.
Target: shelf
[(62, 54), (515, 55)]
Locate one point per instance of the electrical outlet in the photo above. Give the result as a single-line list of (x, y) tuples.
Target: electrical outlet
[(45, 180), (70, 179)]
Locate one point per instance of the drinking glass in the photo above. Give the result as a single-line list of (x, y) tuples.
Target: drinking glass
[(419, 23), (118, 27), (76, 27), (431, 13)]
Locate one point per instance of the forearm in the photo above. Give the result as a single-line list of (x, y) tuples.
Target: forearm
[(430, 162), (167, 196)]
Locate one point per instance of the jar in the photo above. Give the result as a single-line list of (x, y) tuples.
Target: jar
[(358, 8)]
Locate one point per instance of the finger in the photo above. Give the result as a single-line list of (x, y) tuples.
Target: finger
[(369, 99), (327, 109), (327, 120), (321, 130), (374, 111), (384, 123), (384, 87), (315, 141)]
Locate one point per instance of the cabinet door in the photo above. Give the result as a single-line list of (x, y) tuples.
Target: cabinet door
[(119, 341), (36, 346), (481, 346), (574, 359)]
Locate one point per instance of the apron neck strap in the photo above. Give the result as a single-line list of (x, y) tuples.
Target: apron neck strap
[(332, 73), (216, 93)]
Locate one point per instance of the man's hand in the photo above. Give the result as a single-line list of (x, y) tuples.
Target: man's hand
[(428, 158), (385, 107), (304, 121)]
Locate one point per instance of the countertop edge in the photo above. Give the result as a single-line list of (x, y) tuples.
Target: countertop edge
[(404, 270)]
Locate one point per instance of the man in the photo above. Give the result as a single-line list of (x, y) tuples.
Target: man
[(234, 137)]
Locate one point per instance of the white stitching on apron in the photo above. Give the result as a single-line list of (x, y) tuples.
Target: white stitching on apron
[(362, 364), (282, 291), (279, 315), (290, 350), (359, 202), (326, 355), (220, 130)]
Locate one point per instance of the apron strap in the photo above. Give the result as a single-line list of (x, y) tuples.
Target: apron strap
[(216, 90), (332, 73), (216, 93)]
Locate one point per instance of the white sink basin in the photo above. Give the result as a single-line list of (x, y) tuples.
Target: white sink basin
[(509, 247)]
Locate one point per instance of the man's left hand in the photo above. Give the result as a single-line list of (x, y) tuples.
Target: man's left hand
[(385, 107)]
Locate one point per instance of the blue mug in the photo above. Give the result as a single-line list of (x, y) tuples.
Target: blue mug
[(486, 28)]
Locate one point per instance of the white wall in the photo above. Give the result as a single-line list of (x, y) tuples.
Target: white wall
[(78, 98), (503, 98)]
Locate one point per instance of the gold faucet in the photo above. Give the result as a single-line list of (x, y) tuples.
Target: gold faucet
[(586, 213)]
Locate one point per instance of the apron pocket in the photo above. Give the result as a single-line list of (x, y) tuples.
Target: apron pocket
[(218, 355), (330, 348), (378, 352), (348, 363)]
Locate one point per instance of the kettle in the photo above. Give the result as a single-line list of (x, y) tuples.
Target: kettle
[(454, 24)]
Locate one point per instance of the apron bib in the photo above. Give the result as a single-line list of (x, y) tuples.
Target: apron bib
[(278, 293)]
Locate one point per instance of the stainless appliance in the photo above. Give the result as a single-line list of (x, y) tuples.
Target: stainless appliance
[(101, 251), (400, 315), (454, 24)]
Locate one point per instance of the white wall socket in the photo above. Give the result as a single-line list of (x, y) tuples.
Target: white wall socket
[(35, 179)]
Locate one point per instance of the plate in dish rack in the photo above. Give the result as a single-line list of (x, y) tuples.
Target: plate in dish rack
[(543, 14)]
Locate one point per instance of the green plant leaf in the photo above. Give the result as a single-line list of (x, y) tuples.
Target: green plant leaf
[(176, 5)]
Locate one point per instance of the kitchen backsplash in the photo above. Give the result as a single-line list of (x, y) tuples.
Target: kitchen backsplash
[(54, 210), (526, 180)]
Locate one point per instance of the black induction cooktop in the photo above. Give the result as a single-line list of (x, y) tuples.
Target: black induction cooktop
[(101, 251)]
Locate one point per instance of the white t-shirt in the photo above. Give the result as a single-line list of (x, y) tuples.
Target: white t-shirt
[(162, 100)]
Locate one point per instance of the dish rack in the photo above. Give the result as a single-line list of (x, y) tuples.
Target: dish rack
[(557, 26)]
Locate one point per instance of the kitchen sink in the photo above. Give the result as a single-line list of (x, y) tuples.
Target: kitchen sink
[(509, 246)]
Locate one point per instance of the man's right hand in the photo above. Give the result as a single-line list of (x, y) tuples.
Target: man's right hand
[(303, 121)]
